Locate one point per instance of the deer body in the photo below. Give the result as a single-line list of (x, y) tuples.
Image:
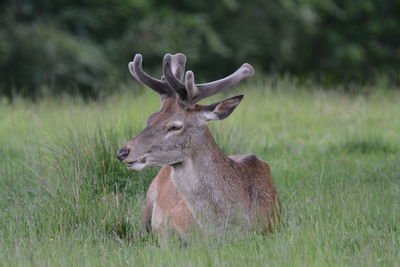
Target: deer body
[(198, 184), (167, 209)]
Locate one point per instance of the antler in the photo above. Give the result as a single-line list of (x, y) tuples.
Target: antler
[(197, 92), (136, 69), (173, 66), (171, 82)]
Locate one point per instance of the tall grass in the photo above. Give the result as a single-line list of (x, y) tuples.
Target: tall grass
[(65, 200)]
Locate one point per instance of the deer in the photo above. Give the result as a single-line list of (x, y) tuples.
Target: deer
[(197, 185)]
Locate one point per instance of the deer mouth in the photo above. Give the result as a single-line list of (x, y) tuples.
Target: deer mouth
[(137, 165)]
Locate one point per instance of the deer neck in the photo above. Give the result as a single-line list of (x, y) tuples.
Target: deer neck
[(202, 178)]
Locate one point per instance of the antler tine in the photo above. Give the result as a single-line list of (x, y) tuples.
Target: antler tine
[(201, 91), (136, 69), (173, 68), (178, 62), (190, 86)]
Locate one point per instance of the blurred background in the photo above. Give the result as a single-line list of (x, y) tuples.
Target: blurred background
[(83, 46)]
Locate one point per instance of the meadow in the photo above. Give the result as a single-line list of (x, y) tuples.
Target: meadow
[(335, 157)]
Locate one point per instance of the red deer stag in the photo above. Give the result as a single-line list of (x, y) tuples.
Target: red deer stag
[(197, 184)]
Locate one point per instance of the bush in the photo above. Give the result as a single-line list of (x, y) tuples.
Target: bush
[(38, 56)]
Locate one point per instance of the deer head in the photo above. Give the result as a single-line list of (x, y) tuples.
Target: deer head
[(172, 134)]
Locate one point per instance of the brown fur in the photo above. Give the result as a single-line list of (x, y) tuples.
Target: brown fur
[(164, 201)]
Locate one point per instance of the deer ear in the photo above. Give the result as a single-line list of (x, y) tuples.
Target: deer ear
[(220, 110)]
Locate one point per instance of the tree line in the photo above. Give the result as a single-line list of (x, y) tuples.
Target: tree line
[(83, 46)]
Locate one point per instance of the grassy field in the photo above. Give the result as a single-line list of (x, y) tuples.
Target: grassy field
[(66, 201)]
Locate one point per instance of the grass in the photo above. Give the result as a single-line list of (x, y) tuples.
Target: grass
[(335, 158)]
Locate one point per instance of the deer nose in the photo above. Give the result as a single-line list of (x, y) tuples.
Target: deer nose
[(122, 154)]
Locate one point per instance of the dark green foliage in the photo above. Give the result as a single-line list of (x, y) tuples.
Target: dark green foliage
[(40, 54), (84, 46)]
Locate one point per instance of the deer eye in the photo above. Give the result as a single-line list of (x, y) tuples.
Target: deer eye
[(174, 127)]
